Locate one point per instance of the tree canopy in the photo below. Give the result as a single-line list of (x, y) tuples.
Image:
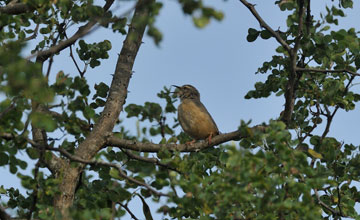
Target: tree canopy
[(88, 165)]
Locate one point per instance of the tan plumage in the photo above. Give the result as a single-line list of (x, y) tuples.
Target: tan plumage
[(193, 116)]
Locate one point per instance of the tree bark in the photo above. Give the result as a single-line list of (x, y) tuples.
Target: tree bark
[(114, 105)]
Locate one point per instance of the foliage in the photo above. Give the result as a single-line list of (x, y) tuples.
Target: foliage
[(291, 169)]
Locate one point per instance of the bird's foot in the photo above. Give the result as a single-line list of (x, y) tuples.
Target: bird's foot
[(190, 142), (209, 138)]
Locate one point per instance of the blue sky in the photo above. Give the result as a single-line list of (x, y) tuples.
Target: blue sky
[(217, 60)]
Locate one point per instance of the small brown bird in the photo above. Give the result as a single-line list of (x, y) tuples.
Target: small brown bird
[(193, 116)]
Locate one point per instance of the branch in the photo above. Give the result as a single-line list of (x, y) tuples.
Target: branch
[(327, 71), (333, 211), (118, 89), (128, 210), (41, 56), (103, 163), (308, 16), (266, 26), (151, 147), (35, 192), (34, 35), (4, 215), (292, 83), (96, 139), (8, 109), (149, 160), (15, 9), (53, 164), (330, 116), (300, 32)]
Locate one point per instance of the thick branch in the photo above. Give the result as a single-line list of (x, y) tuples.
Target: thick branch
[(293, 78), (151, 147), (118, 90), (114, 105), (82, 31), (15, 9), (266, 26)]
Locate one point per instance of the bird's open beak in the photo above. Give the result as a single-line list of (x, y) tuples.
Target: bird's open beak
[(176, 91)]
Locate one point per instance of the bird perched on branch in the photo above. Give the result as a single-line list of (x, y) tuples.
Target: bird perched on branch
[(194, 119)]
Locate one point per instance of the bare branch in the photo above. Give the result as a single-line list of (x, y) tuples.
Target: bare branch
[(151, 147), (103, 163), (76, 65), (266, 26), (327, 71)]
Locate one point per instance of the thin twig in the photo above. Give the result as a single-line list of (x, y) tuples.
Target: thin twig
[(149, 160), (266, 26), (103, 163), (333, 211), (81, 32), (8, 109), (339, 200), (49, 66), (327, 71), (76, 65), (129, 211), (35, 192), (34, 35), (331, 116)]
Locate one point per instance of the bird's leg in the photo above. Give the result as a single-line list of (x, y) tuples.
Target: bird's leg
[(209, 138)]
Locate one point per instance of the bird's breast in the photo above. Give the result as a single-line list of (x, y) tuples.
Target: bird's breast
[(195, 119)]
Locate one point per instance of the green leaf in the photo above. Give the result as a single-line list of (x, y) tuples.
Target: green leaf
[(114, 173), (146, 209), (43, 121), (252, 35), (314, 154), (201, 22), (4, 159), (265, 34)]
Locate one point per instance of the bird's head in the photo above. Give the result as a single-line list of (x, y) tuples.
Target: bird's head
[(187, 92)]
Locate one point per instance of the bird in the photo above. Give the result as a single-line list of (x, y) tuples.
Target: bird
[(193, 117)]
